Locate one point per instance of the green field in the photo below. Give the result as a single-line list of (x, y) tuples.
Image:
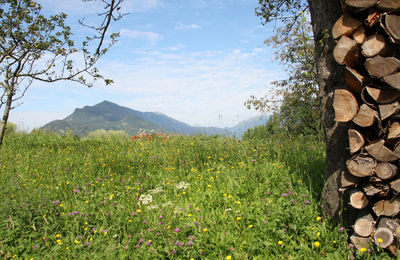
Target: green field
[(171, 197)]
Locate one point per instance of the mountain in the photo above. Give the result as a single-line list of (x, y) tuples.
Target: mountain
[(109, 116)]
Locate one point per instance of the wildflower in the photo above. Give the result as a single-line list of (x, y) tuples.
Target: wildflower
[(205, 229), (318, 218), (363, 249), (317, 244), (138, 210), (284, 195), (148, 242), (319, 233), (238, 218), (77, 242), (76, 190), (177, 230), (58, 236), (238, 202), (380, 240), (228, 257), (173, 252), (307, 202), (251, 226), (105, 231), (190, 243), (341, 229), (280, 242)]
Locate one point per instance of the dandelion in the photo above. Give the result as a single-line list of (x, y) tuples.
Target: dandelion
[(380, 240), (77, 242), (238, 202), (317, 244), (228, 257), (238, 218), (58, 236), (280, 242), (205, 229), (251, 226), (138, 210), (363, 249), (318, 218)]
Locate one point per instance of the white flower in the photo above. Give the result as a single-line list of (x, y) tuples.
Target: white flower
[(155, 191), (182, 185), (145, 199)]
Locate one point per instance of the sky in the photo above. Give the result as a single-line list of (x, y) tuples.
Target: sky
[(196, 61)]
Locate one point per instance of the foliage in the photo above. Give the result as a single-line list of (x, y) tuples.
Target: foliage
[(181, 197), (38, 48), (11, 128), (298, 109), (110, 134)]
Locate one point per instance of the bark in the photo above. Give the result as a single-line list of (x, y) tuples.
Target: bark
[(324, 14), (6, 113)]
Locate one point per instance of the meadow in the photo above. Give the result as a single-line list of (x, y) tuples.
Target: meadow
[(164, 197)]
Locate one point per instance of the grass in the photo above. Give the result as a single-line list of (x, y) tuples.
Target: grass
[(164, 197)]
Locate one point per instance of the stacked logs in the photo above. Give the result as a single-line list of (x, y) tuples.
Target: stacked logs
[(368, 46)]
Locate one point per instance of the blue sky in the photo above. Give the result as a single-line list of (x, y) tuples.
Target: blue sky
[(197, 61)]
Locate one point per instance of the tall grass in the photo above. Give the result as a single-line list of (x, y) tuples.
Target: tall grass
[(172, 197)]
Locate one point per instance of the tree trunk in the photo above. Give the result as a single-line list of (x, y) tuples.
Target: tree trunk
[(324, 14), (3, 123)]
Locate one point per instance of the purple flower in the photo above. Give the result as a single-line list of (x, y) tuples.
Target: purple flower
[(341, 229), (173, 252), (141, 241), (182, 244), (177, 243), (76, 190), (148, 242), (137, 246), (177, 230), (307, 202), (160, 217), (56, 202), (284, 195), (190, 243)]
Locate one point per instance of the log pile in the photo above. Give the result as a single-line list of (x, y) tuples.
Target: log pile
[(367, 39)]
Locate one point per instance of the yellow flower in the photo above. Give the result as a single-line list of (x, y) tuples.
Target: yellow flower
[(317, 244), (230, 197), (130, 221), (205, 230), (77, 242), (225, 195), (251, 226), (318, 218), (238, 218), (138, 210), (363, 249), (228, 257), (319, 233), (209, 186), (58, 236), (280, 242), (238, 202)]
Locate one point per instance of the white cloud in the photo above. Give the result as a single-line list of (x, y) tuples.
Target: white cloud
[(151, 37), (193, 87), (181, 26)]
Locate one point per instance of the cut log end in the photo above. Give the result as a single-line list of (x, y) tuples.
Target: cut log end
[(345, 105)]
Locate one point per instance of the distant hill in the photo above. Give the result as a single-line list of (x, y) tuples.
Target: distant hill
[(109, 116)]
